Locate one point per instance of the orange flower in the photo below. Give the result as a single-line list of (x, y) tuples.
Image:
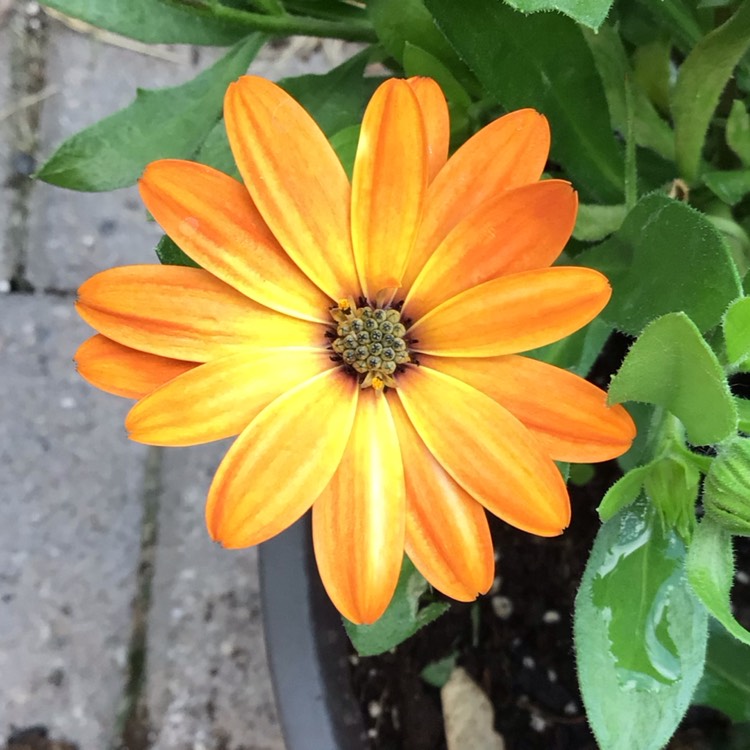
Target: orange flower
[(362, 339)]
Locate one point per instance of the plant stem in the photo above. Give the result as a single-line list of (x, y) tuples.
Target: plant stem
[(287, 25)]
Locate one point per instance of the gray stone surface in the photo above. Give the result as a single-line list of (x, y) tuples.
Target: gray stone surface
[(7, 102), (70, 516), (207, 677)]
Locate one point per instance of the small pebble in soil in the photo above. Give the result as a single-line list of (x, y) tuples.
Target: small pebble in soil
[(354, 660), (529, 662), (374, 709), (550, 617), (552, 675), (570, 709), (372, 733), (502, 607), (742, 577), (537, 723), (496, 584)]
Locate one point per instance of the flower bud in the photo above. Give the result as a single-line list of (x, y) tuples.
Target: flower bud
[(726, 490)]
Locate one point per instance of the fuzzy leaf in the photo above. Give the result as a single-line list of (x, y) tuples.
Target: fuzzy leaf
[(590, 13)]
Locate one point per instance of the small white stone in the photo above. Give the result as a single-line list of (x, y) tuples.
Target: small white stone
[(502, 607), (4, 286), (67, 402), (552, 675), (496, 584), (372, 733), (550, 617), (570, 709), (528, 662), (742, 577), (374, 709), (538, 724)]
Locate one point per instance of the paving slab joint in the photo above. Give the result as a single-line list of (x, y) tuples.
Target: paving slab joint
[(132, 730), (28, 79)]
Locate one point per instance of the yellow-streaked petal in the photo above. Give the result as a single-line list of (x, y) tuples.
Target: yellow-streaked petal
[(519, 230), (388, 186), (486, 450), (507, 153), (282, 461), (185, 313), (220, 398), (295, 179), (447, 535), (358, 520), (436, 121), (513, 313), (124, 371), (214, 220), (568, 415)]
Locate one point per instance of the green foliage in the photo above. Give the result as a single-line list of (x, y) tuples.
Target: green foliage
[(152, 21), (160, 123), (640, 648), (666, 257), (542, 61), (710, 570), (577, 352), (701, 79), (670, 365), (591, 13), (736, 326), (401, 620), (738, 131), (725, 684)]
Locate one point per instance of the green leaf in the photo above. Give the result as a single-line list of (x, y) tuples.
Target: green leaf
[(170, 254), (337, 99), (216, 153), (700, 81), (725, 684), (594, 223), (672, 484), (576, 352), (542, 61), (345, 145), (640, 634), (151, 22), (161, 123), (401, 620), (738, 131), (614, 68), (625, 491), (670, 365), (437, 672), (590, 13), (743, 411), (710, 570), (737, 330), (667, 257), (730, 185), (652, 70)]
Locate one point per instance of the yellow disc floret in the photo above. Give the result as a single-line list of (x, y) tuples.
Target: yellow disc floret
[(371, 341)]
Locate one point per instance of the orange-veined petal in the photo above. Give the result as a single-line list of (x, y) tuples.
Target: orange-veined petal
[(513, 313), (358, 520), (213, 219), (296, 181), (283, 460), (436, 121), (486, 450), (388, 187), (220, 398), (447, 535), (507, 153), (124, 371), (567, 414), (519, 230), (185, 313)]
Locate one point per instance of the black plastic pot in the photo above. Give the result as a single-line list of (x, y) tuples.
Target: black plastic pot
[(307, 648)]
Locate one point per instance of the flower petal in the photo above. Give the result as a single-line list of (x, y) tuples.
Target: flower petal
[(296, 181), (519, 230), (220, 398), (436, 121), (486, 450), (283, 460), (567, 414), (388, 186), (185, 313), (358, 521), (214, 220), (447, 535), (124, 371), (513, 313), (507, 153)]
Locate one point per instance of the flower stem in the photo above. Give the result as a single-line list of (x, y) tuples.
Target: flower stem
[(351, 30)]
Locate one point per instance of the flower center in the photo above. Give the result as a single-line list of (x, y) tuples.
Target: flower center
[(371, 341)]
